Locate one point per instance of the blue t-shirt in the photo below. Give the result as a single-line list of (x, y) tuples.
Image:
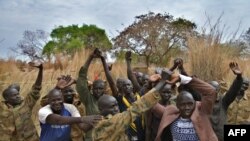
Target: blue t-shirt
[(54, 132)]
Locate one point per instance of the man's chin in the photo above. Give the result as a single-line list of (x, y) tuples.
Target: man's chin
[(18, 102), (57, 108)]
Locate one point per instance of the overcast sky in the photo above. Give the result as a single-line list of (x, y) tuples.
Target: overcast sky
[(111, 15)]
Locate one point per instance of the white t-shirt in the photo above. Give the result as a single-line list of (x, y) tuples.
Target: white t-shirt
[(185, 79), (46, 110)]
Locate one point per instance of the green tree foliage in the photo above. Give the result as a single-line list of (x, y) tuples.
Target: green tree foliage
[(155, 36), (71, 38)]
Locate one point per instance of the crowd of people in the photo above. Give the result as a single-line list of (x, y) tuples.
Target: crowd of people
[(164, 106)]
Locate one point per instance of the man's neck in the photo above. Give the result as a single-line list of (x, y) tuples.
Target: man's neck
[(130, 97), (164, 102)]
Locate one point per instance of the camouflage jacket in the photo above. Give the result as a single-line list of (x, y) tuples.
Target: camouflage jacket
[(15, 122), (77, 134), (239, 111), (112, 128)]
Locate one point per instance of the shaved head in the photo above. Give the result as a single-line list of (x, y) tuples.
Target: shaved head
[(183, 95), (108, 105), (104, 100), (54, 92), (216, 85), (15, 85)]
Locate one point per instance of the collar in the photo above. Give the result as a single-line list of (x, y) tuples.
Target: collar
[(126, 102)]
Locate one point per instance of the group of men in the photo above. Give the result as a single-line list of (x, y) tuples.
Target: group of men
[(138, 108)]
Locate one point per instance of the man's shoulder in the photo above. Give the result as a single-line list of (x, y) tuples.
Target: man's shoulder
[(71, 109), (45, 108), (68, 106)]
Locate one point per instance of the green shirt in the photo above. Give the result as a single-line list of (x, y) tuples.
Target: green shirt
[(86, 96)]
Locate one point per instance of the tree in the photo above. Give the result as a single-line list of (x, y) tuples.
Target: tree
[(239, 47), (32, 44), (71, 38), (154, 36)]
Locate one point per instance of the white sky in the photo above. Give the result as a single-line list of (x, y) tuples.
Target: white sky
[(111, 15)]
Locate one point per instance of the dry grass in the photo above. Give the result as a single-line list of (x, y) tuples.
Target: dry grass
[(207, 60)]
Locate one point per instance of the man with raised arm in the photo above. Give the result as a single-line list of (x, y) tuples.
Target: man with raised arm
[(16, 113)]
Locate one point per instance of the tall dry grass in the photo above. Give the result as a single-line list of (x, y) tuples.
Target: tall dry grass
[(209, 55), (207, 60)]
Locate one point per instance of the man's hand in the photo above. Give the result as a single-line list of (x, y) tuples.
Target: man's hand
[(92, 119), (174, 79), (154, 78), (128, 56), (65, 81), (110, 66), (36, 63), (235, 68), (166, 74), (179, 63), (97, 53)]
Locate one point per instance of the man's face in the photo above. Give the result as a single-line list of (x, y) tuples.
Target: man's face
[(13, 97), (127, 87), (145, 79), (186, 105), (166, 92), (139, 77), (56, 101), (119, 84), (68, 95), (98, 89), (111, 107)]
